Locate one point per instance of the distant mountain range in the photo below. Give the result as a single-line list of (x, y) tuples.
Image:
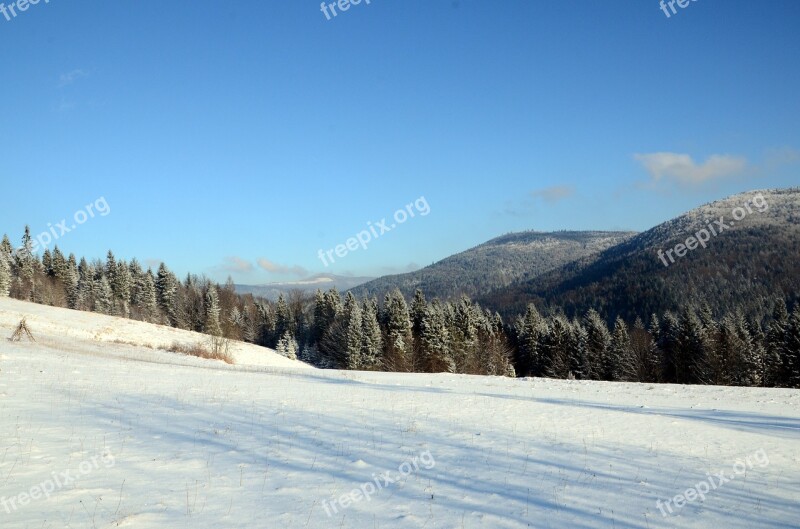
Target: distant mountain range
[(748, 253), (498, 263), (321, 281)]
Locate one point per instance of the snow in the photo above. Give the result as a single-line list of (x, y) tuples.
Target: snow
[(173, 441)]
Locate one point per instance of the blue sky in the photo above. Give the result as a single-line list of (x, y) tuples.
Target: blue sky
[(242, 137)]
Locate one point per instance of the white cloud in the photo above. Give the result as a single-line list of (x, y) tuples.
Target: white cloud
[(235, 264), (275, 268), (553, 194), (681, 168)]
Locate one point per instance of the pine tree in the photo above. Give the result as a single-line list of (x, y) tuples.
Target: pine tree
[(148, 298), (669, 345), (529, 331), (26, 264), (416, 312), (435, 341), (693, 365), (71, 281), (372, 340), (211, 323), (623, 366), (793, 349), (287, 346), (104, 300), (354, 340), (397, 332), (598, 342), (167, 291), (646, 363), (284, 319), (5, 274), (777, 359), (556, 346)]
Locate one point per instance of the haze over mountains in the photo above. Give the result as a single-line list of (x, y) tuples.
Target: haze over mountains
[(272, 291)]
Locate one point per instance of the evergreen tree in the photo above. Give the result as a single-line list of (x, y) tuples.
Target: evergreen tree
[(529, 331), (556, 347), (104, 298), (26, 265), (416, 312), (372, 340), (211, 324), (693, 365), (284, 320), (623, 366), (777, 359), (793, 349), (287, 346), (669, 346), (148, 298), (5, 274), (397, 331), (167, 292), (71, 280), (435, 341), (597, 345)]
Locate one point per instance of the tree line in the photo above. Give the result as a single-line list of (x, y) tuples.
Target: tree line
[(329, 330)]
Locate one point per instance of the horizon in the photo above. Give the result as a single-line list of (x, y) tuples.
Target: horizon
[(52, 238)]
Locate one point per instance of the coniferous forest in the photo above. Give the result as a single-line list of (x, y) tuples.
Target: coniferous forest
[(690, 345)]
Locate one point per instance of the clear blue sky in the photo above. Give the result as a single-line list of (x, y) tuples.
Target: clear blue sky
[(224, 133)]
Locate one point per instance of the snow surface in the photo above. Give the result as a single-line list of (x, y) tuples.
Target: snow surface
[(172, 442)]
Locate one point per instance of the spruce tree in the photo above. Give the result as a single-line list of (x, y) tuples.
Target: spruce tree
[(598, 342), (397, 330), (793, 349), (104, 297), (211, 324), (167, 291), (372, 340), (778, 369), (5, 275), (529, 331), (435, 341), (622, 365)]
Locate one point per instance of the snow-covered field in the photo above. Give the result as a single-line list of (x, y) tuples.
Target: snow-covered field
[(96, 434)]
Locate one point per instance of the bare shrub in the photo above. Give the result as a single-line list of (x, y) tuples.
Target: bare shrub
[(21, 331), (217, 349)]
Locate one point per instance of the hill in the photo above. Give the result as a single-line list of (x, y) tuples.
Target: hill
[(495, 264), (750, 253)]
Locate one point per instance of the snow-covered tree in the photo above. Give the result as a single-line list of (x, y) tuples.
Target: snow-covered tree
[(371, 337), (397, 330), (287, 346), (5, 274), (211, 324)]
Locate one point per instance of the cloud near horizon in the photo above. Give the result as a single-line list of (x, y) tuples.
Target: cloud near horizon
[(233, 264), (276, 268), (682, 169), (553, 194)]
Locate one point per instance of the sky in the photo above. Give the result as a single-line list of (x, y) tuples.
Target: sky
[(267, 140)]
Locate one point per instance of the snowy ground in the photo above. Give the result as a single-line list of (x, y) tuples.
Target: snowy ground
[(124, 436)]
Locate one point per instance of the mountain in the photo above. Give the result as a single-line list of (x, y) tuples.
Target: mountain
[(750, 253), (497, 263), (320, 281)]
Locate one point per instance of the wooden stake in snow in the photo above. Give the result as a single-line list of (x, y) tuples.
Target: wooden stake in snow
[(22, 330)]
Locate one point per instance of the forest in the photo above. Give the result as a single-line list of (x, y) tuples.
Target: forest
[(688, 345)]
